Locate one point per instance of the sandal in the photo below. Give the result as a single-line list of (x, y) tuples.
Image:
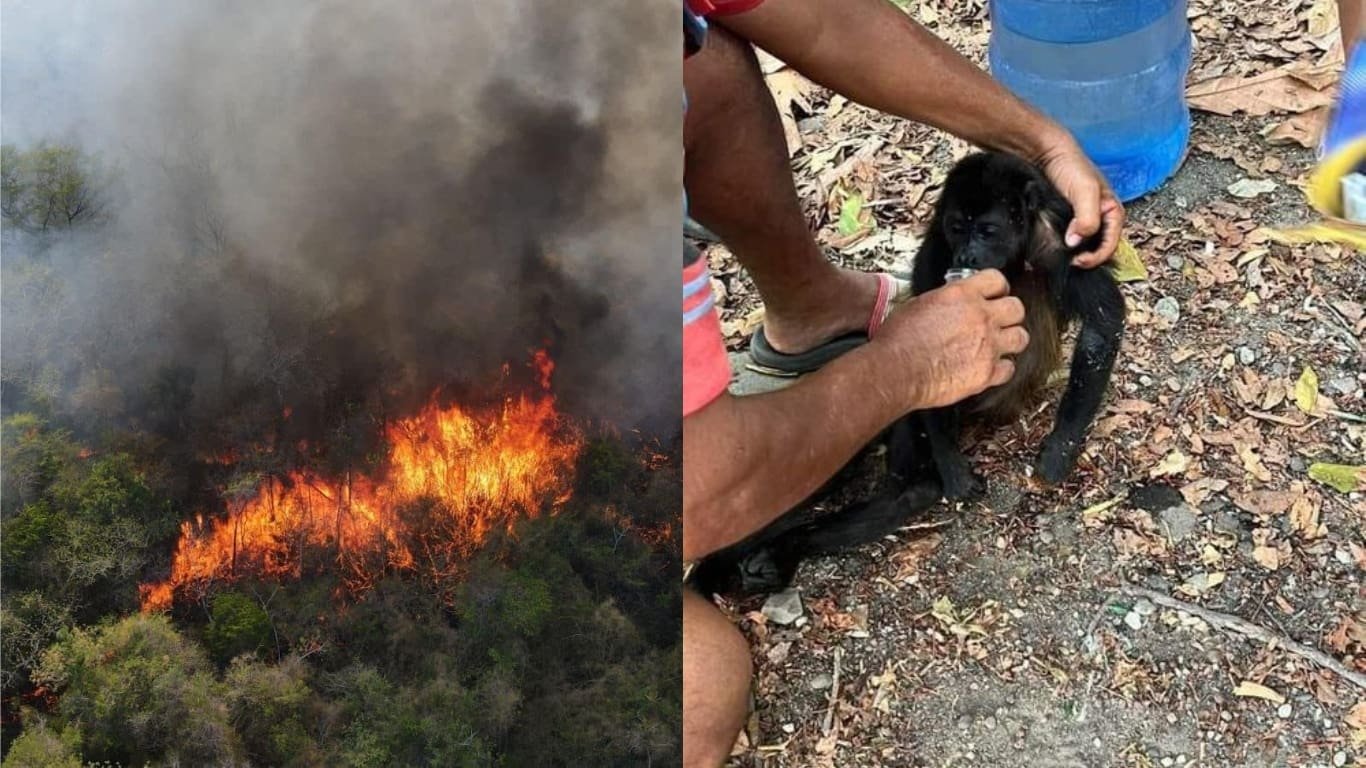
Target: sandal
[(892, 290)]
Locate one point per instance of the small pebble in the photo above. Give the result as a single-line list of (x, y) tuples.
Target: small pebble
[(1175, 261), (1168, 309), (821, 682), (1343, 556), (1145, 607), (783, 607), (1171, 718), (1167, 761), (789, 728), (1339, 759), (1284, 711), (1343, 385), (990, 723), (1246, 356), (1297, 464), (1146, 381), (1133, 620), (1180, 759)]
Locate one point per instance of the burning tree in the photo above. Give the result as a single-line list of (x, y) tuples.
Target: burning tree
[(467, 470)]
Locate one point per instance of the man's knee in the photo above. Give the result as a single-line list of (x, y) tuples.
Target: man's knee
[(721, 78), (716, 677)]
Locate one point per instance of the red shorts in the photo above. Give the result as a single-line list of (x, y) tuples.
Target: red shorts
[(706, 369), (706, 8)]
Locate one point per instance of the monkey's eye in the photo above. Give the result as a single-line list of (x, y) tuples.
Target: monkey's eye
[(988, 230)]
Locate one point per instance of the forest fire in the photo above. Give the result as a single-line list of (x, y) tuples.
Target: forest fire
[(452, 475)]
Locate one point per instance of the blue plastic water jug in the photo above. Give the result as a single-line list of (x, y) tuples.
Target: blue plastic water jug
[(1113, 72)]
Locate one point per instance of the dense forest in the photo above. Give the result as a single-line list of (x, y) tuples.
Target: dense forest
[(555, 642)]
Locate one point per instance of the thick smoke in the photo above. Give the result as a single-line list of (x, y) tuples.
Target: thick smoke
[(314, 205)]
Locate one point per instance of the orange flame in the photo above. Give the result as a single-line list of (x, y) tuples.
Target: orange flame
[(483, 469)]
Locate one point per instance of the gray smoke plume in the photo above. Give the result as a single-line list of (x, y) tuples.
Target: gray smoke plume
[(318, 204)]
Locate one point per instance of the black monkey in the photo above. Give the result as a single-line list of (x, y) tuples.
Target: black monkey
[(999, 212), (996, 211)]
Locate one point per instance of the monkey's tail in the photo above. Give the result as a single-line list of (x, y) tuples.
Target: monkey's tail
[(861, 523)]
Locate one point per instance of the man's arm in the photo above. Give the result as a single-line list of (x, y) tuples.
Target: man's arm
[(876, 55), (747, 460)]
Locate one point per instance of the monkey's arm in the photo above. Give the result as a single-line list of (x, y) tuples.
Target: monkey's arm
[(1091, 296)]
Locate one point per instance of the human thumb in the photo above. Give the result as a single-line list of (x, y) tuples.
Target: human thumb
[(1085, 218)]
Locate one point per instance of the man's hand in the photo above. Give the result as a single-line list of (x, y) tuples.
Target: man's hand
[(1090, 195), (953, 342)]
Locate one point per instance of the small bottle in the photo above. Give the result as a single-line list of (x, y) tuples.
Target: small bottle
[(958, 273)]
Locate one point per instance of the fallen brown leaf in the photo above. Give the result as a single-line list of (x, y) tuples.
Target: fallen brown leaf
[(789, 88), (1303, 129), (1284, 89), (1264, 503), (1252, 462), (1267, 557), (1257, 691)]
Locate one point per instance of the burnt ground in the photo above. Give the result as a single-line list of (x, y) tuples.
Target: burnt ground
[(997, 633)]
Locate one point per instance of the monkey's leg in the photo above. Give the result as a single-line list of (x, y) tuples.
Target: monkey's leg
[(955, 472), (909, 456), (769, 566), (1092, 296)]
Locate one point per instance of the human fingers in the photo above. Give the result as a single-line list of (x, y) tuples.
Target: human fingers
[(989, 283), (1001, 372), (1085, 196), (1012, 341), (1006, 311), (1112, 213)]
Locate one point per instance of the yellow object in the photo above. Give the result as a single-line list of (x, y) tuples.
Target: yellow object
[(1325, 195), (1127, 266), (1325, 184)]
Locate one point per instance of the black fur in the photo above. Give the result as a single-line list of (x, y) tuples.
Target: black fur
[(996, 212)]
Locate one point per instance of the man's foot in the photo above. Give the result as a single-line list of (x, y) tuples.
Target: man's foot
[(841, 306), (841, 314)]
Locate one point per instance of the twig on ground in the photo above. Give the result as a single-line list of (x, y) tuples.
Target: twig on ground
[(929, 524), (1248, 629), (834, 694)]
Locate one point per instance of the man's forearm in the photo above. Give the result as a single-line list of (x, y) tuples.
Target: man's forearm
[(746, 460), (874, 54)]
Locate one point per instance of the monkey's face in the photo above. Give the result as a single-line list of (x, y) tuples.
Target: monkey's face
[(990, 235)]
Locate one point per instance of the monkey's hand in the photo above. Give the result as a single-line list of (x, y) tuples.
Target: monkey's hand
[(958, 479)]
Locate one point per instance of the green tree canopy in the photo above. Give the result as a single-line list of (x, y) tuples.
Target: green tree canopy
[(50, 187), (237, 625), (141, 693)]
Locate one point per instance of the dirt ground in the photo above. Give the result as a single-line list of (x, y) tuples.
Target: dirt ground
[(998, 633)]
